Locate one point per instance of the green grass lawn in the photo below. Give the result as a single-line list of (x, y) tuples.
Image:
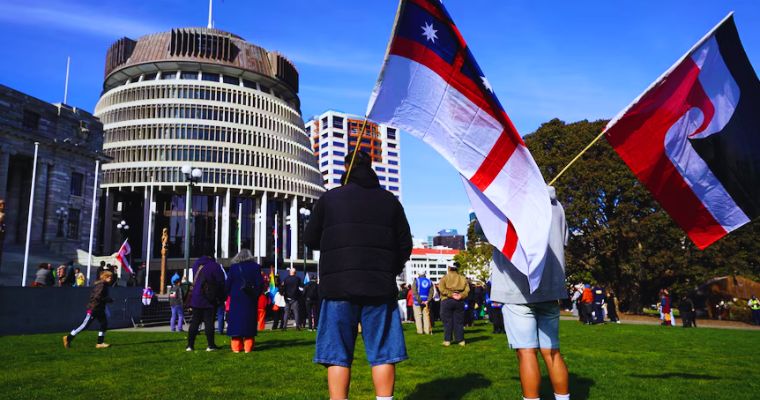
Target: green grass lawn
[(606, 362)]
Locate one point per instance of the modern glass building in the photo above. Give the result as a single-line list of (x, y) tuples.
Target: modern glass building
[(208, 99)]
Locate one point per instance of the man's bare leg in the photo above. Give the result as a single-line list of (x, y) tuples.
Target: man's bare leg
[(338, 382), (530, 374), (384, 378), (555, 364)]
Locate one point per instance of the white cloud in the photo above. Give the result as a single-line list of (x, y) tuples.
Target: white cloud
[(83, 20)]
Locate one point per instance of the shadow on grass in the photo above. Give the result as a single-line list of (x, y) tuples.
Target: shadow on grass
[(469, 340), (678, 375), (266, 344), (127, 344), (580, 387), (449, 388)]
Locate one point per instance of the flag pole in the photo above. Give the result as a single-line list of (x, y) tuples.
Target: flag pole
[(92, 220), (596, 139), (356, 148), (29, 217)]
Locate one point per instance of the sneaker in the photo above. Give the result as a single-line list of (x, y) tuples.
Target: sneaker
[(102, 346), (446, 343), (215, 348), (66, 343), (189, 349), (462, 343)]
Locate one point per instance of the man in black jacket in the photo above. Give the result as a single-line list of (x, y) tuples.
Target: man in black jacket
[(364, 240), (293, 288), (311, 293)]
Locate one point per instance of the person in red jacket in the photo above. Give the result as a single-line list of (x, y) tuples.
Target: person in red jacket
[(410, 305), (587, 299)]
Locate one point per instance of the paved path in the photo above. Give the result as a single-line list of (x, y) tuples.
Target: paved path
[(701, 323)]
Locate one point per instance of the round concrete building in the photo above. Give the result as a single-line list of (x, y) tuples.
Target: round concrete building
[(228, 111)]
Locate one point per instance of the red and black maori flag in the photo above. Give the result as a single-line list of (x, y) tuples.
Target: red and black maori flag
[(693, 138)]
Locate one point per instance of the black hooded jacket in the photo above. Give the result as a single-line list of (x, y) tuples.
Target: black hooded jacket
[(363, 237)]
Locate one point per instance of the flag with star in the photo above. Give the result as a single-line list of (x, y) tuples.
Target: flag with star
[(431, 87)]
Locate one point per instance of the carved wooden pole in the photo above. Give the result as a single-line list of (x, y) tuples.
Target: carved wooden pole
[(164, 249)]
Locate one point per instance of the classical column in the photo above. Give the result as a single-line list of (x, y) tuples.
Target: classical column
[(293, 221), (226, 224), (263, 227), (5, 160), (107, 223), (256, 229), (41, 199)]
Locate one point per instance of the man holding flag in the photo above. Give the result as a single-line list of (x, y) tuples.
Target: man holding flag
[(432, 87)]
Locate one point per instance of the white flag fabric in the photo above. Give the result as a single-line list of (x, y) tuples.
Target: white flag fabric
[(431, 87)]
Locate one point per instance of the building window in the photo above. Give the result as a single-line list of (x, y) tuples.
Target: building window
[(393, 154), (392, 162), (231, 80), (192, 75), (77, 183), (324, 123), (337, 180), (391, 133), (339, 153), (393, 171), (31, 120), (338, 135), (393, 179), (337, 122), (169, 75), (380, 169), (206, 76), (73, 224)]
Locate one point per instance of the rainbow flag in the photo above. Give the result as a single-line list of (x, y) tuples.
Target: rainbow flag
[(272, 284)]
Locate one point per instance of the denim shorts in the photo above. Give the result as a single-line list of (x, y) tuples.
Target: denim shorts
[(381, 332), (532, 326)]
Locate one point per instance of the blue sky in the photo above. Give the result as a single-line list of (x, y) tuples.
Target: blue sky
[(544, 59)]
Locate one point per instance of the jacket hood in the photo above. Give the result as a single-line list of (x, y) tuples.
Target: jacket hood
[(202, 260), (362, 175)]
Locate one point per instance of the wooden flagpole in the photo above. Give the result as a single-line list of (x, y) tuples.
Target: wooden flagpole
[(356, 148), (596, 139)]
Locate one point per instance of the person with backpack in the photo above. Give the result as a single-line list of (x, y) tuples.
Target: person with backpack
[(421, 292), (176, 302), (244, 284), (206, 295)]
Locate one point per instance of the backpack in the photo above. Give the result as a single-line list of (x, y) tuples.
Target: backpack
[(212, 291)]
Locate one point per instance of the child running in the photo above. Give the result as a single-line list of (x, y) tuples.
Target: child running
[(96, 309)]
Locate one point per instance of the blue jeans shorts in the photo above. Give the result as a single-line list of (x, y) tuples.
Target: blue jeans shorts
[(381, 332), (532, 326)]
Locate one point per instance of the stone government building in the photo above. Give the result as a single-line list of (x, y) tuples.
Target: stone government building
[(205, 98), (70, 141)]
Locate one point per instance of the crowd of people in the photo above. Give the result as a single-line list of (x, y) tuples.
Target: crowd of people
[(65, 275), (592, 304)]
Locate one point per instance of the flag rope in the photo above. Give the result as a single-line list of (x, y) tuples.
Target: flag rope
[(356, 148), (596, 139)]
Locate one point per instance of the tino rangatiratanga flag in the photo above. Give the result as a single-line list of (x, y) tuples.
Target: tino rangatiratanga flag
[(693, 137), (431, 87)]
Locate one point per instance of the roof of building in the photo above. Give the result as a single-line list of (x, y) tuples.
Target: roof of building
[(422, 251)]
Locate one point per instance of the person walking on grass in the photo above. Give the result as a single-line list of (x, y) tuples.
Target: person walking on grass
[(244, 284), (207, 294), (454, 291), (421, 291), (96, 310), (532, 318), (364, 238), (311, 294)]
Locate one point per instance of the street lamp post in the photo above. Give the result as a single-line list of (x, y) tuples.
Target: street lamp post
[(62, 214), (305, 213), (192, 175)]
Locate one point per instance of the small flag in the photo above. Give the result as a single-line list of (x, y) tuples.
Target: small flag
[(272, 284), (121, 256), (693, 138)]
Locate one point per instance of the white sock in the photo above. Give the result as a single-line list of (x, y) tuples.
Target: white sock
[(383, 397), (561, 396)]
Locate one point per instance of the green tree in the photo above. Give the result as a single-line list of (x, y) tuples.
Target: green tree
[(620, 237), (476, 257)]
